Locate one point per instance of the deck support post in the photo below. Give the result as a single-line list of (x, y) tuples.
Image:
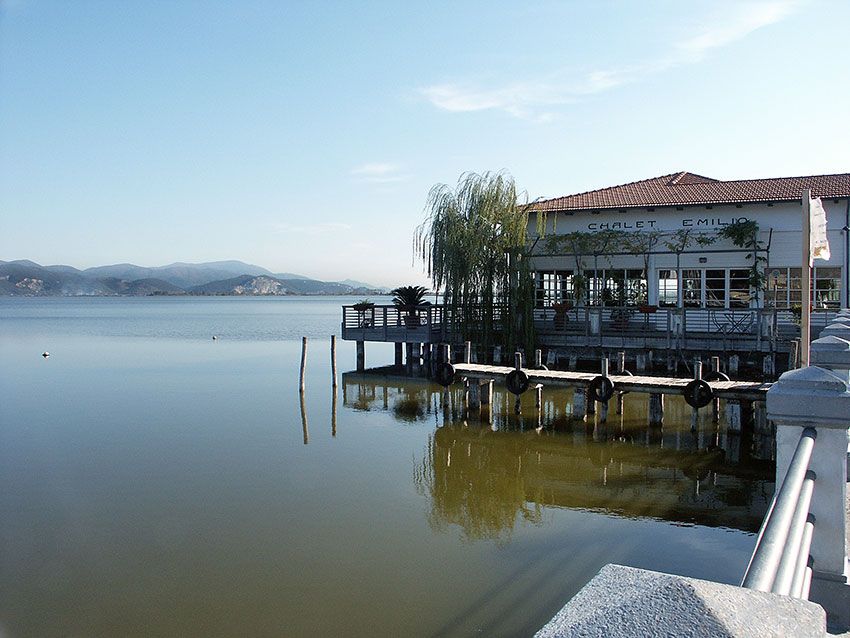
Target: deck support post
[(426, 360), (572, 362), (538, 358), (640, 361), (408, 357), (361, 356), (656, 409), (399, 350), (538, 396), (416, 358)]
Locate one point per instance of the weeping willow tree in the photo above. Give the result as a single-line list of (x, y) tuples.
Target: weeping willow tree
[(474, 247)]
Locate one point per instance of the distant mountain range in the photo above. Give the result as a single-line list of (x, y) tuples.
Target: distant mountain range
[(27, 278)]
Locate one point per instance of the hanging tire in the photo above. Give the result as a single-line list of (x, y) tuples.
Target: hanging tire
[(698, 394), (517, 381), (601, 389), (716, 376), (445, 374)]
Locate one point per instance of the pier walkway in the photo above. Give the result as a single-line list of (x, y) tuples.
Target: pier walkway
[(740, 390)]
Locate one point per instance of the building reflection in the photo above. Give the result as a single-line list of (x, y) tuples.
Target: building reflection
[(486, 476)]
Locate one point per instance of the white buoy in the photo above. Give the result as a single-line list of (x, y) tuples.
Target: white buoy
[(214, 338), (45, 354)]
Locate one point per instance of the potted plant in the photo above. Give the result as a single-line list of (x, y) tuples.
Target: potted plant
[(361, 308), (407, 299), (561, 309), (620, 317)]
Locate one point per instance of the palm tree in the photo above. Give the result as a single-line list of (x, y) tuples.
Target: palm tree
[(409, 298)]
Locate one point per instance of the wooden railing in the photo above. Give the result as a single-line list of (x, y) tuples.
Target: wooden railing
[(428, 323)]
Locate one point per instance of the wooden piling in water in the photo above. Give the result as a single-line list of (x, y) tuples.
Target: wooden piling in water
[(695, 411), (333, 412), (603, 408), (304, 429), (303, 363), (333, 363), (621, 368), (715, 403)]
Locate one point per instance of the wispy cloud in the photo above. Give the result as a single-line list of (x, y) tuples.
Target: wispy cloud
[(535, 100), (379, 173), (743, 20), (321, 228)]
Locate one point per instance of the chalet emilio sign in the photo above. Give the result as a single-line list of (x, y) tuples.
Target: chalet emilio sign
[(667, 224)]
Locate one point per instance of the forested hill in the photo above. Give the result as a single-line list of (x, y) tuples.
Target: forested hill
[(27, 278)]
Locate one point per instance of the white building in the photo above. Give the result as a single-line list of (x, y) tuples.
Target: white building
[(689, 209)]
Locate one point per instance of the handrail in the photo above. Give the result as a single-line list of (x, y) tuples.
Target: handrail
[(775, 533)]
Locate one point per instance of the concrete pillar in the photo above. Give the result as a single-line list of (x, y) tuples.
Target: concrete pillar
[(399, 350), (474, 394), (815, 397), (769, 366), (497, 355), (649, 359), (579, 403), (640, 361), (656, 409), (794, 354), (486, 391), (361, 356), (670, 361), (573, 362), (551, 359), (733, 364), (734, 419)]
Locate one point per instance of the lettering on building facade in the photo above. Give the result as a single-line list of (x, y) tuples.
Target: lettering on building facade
[(647, 224)]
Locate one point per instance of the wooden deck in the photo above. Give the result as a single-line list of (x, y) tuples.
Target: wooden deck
[(736, 390)]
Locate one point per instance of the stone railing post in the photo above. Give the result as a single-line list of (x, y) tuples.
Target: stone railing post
[(818, 398)]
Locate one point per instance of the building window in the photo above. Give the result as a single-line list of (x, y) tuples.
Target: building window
[(784, 287), (668, 288), (692, 288), (739, 288), (710, 288), (554, 287)]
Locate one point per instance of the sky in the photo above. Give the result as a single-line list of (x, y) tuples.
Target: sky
[(305, 136)]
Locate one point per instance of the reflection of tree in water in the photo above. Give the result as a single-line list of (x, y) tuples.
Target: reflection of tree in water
[(410, 406), (485, 481), (479, 487)]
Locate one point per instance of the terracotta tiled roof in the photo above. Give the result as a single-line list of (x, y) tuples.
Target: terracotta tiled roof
[(684, 189)]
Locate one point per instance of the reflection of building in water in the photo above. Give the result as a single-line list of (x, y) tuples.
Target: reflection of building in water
[(485, 480), (486, 477)]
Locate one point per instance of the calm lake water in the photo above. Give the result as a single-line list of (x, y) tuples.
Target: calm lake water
[(158, 483)]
